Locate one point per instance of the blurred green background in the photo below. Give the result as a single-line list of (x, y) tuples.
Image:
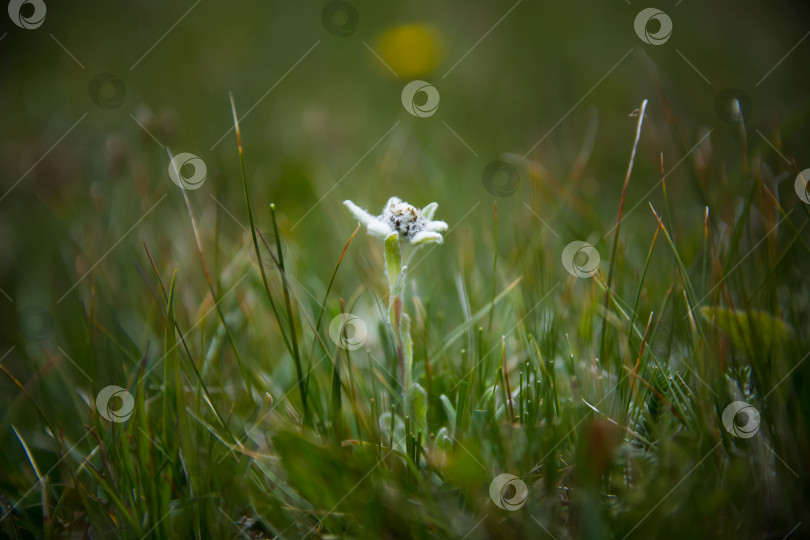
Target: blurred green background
[(331, 100), (84, 187), (323, 122)]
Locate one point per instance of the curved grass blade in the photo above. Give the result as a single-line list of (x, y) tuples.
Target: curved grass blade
[(291, 320), (253, 225), (228, 333)]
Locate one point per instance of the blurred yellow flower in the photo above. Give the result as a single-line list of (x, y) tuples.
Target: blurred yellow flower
[(412, 50)]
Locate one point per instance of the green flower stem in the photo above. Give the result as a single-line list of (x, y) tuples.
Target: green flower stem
[(395, 317), (396, 283)]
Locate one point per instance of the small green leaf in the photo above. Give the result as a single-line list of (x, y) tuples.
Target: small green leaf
[(443, 439), (399, 283), (393, 259), (427, 238), (407, 347), (429, 210), (461, 405), (487, 398), (416, 405), (449, 410)]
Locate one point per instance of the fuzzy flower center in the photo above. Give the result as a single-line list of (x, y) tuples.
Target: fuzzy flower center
[(404, 219)]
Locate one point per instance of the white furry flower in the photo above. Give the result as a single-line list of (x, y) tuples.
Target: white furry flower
[(404, 229), (415, 227)]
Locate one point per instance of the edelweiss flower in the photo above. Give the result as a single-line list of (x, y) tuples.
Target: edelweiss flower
[(415, 227), (404, 228)]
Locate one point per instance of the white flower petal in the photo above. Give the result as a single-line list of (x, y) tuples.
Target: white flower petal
[(361, 215), (426, 237), (373, 224), (418, 228), (428, 211), (379, 228), (436, 226)]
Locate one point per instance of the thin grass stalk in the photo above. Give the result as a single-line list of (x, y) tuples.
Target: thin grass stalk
[(705, 248), (253, 224), (197, 373), (506, 378), (214, 296), (329, 288), (636, 368), (641, 280), (290, 319), (494, 274), (603, 347)]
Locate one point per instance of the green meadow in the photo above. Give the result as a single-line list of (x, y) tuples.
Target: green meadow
[(600, 329)]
